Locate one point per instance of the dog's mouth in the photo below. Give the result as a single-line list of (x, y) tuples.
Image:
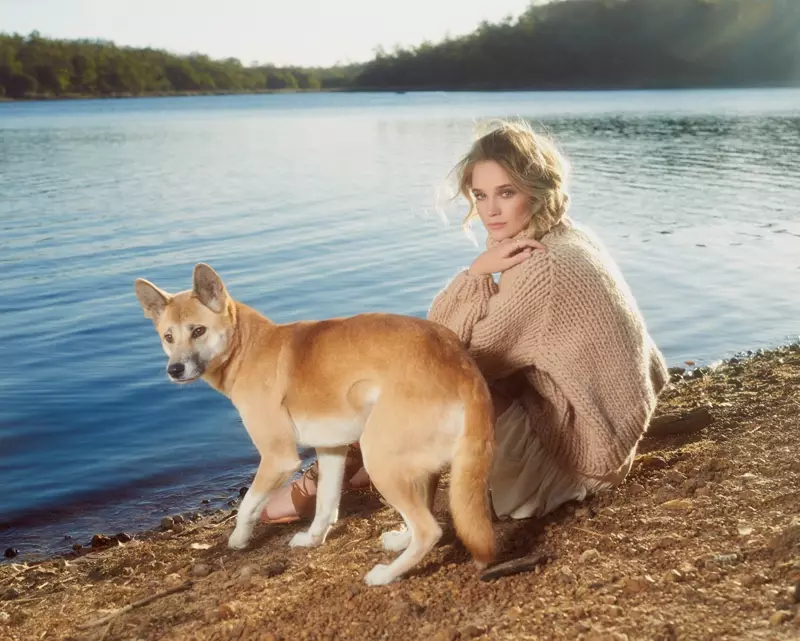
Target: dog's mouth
[(181, 373), (184, 379)]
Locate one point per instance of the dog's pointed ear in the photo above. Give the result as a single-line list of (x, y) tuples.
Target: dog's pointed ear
[(152, 299), (208, 287)]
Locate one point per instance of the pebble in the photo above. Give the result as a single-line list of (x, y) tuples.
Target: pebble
[(10, 553), (245, 577), (636, 488), (243, 491), (200, 570), (589, 555), (678, 505), (227, 611), (471, 631), (675, 477), (634, 585), (275, 568), (101, 541), (123, 537), (9, 595), (167, 522), (703, 491), (780, 617)]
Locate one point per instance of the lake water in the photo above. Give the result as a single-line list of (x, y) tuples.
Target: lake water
[(322, 205)]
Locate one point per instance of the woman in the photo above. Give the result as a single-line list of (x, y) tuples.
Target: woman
[(559, 338)]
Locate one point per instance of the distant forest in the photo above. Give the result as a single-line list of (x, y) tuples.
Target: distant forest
[(552, 45)]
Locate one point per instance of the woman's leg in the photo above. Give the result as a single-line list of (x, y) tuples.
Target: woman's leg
[(297, 499), (527, 481)]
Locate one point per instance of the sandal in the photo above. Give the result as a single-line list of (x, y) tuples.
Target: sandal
[(303, 501)]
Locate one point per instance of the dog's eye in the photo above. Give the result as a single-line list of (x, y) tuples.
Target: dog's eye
[(168, 338), (197, 332)]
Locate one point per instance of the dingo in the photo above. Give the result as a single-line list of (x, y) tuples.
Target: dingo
[(401, 386)]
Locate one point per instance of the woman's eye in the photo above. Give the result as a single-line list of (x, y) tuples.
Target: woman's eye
[(508, 193), (168, 338), (197, 332), (479, 196)]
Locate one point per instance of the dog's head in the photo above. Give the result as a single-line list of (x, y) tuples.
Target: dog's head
[(195, 326)]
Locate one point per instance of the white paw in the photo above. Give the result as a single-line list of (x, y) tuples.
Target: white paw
[(239, 539), (396, 540), (305, 540), (379, 575)]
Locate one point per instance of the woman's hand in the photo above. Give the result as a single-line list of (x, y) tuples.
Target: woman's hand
[(504, 255)]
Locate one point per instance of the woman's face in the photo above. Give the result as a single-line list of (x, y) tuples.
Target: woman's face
[(503, 209)]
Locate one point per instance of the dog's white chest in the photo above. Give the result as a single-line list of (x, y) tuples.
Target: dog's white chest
[(327, 432)]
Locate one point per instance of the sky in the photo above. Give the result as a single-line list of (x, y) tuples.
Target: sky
[(300, 32)]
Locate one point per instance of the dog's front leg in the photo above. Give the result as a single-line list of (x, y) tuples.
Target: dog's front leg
[(279, 462), (331, 463)]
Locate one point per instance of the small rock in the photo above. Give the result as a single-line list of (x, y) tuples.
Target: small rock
[(515, 612), (178, 528), (77, 547), (5, 617), (275, 568), (636, 488), (749, 580), (780, 617), (200, 570), (566, 575), (588, 555), (10, 553), (678, 505), (703, 491), (243, 491), (167, 523), (9, 594), (687, 568), (178, 518), (796, 592), (634, 585), (745, 530), (227, 611), (101, 541), (471, 631), (173, 578), (245, 576), (650, 462), (123, 537), (748, 477), (675, 477), (672, 576)]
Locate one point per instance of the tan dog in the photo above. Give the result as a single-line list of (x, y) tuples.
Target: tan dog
[(404, 387)]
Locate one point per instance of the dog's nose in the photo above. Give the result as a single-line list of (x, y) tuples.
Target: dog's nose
[(175, 370)]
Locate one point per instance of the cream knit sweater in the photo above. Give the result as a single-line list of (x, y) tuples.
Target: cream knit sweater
[(566, 320)]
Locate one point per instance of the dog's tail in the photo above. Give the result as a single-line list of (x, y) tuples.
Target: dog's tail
[(469, 473)]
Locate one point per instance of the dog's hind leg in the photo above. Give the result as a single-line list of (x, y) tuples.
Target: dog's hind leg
[(398, 540), (404, 486), (331, 463)]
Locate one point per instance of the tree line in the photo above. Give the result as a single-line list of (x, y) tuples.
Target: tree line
[(566, 44)]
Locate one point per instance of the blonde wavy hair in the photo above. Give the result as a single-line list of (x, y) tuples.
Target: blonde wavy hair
[(534, 164)]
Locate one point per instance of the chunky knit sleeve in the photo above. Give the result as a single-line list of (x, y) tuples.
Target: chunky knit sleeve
[(500, 325)]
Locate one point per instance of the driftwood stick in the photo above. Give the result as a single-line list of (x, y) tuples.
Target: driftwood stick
[(515, 566), (134, 605)]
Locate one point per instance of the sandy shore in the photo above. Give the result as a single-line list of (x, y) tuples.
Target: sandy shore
[(702, 541)]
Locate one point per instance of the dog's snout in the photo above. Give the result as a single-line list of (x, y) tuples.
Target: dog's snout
[(176, 370)]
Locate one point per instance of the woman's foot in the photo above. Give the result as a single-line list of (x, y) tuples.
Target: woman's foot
[(298, 499)]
